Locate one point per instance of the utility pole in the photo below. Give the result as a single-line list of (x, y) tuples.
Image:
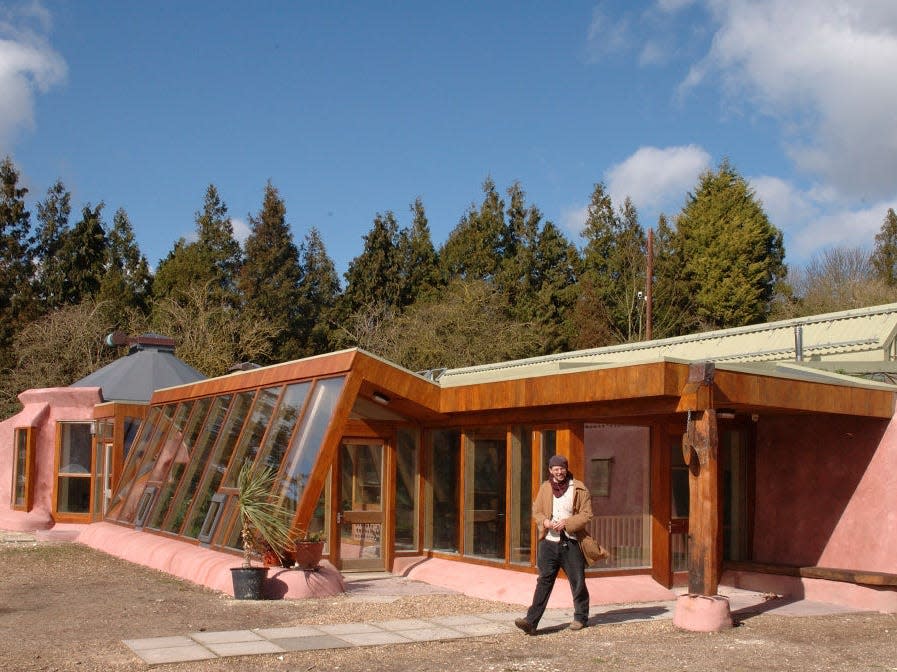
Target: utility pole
[(649, 281)]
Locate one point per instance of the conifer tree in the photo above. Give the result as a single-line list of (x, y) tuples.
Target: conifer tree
[(673, 306), (732, 255), (127, 282), (212, 261), (53, 225), (884, 256), (84, 254), (612, 286), (375, 276), (476, 248), (419, 265), (15, 256), (319, 293), (270, 278)]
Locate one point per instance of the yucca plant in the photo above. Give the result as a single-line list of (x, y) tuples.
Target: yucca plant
[(262, 519)]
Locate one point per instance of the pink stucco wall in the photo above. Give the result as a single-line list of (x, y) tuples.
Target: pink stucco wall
[(827, 492), (42, 410)]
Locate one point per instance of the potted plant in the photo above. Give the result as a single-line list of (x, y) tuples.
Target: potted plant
[(264, 524), (308, 548)]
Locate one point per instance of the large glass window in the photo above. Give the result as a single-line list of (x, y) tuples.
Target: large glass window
[(158, 458), (484, 494), (306, 445), (617, 474), (179, 464), (23, 464), (74, 476), (520, 511), (220, 457), (277, 440), (193, 472), (124, 502), (406, 490), (444, 490)]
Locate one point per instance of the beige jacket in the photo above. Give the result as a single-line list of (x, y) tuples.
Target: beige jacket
[(582, 509)]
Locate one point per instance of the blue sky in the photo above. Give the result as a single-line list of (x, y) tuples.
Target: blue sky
[(351, 109)]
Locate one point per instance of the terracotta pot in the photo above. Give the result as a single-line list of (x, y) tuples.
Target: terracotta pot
[(308, 554)]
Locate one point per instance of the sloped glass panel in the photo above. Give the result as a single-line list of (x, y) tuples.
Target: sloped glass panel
[(157, 460), (277, 440), (303, 453), (143, 460), (181, 460), (218, 462), (193, 472), (251, 440), (130, 461)]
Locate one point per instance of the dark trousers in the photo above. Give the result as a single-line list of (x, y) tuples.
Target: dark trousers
[(551, 558)]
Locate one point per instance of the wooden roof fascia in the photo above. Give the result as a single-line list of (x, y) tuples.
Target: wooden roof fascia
[(303, 369), (653, 380), (764, 393), (408, 393)]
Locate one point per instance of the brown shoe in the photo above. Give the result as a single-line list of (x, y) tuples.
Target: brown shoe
[(577, 625), (525, 625)]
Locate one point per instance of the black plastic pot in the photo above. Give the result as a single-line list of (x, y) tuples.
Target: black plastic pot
[(249, 582)]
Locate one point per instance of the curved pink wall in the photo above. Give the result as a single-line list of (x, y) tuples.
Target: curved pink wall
[(42, 410), (205, 566)]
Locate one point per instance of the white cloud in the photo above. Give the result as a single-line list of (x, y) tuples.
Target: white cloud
[(241, 229), (573, 220), (606, 35), (28, 65), (845, 228), (657, 178), (824, 69), (811, 220)]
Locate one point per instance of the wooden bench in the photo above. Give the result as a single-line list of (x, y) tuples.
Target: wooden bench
[(857, 576)]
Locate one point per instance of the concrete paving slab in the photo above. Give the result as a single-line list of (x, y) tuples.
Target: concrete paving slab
[(374, 638), (403, 624), (340, 629), (174, 654), (311, 643), (432, 634), (245, 648), (226, 637), (462, 619), (294, 631), (158, 642), (484, 629)]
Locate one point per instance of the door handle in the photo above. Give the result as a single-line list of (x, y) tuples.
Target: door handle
[(339, 517)]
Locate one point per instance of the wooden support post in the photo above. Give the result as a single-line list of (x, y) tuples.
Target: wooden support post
[(700, 448)]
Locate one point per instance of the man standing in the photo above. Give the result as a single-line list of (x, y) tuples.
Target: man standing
[(562, 510)]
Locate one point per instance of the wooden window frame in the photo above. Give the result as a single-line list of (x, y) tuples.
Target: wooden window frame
[(28, 495)]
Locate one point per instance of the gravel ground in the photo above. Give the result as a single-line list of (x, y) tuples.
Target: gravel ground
[(68, 607)]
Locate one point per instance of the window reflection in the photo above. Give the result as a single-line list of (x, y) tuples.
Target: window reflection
[(303, 453)]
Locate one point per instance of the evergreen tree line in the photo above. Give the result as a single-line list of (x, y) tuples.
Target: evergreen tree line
[(505, 284)]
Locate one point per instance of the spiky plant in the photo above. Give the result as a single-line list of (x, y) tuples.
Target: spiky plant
[(262, 519)]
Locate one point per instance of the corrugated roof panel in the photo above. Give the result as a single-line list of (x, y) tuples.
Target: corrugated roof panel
[(853, 332)]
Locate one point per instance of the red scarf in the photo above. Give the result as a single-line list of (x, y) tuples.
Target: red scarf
[(558, 489)]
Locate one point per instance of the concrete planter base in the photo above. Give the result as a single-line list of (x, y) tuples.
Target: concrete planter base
[(702, 613)]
